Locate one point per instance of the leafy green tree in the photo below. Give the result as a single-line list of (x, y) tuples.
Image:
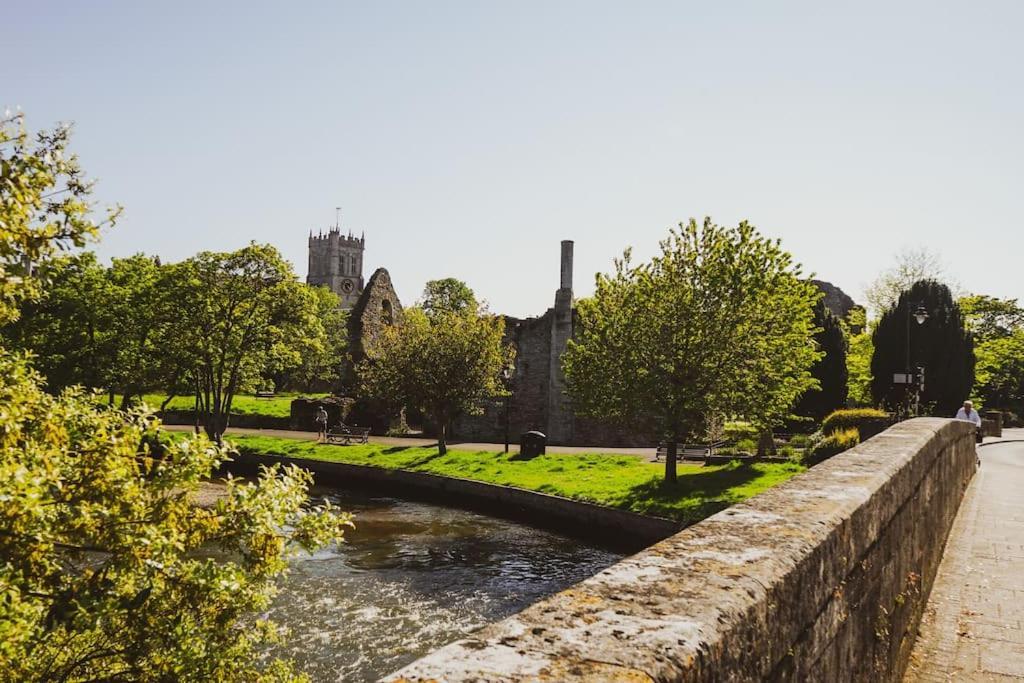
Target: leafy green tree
[(106, 571), (858, 360), (941, 345), (830, 370), (240, 312), (990, 317), (447, 296), (720, 323), (315, 363), (445, 363), (1000, 372)]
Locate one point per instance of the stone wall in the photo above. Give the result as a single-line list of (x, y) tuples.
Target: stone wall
[(821, 578)]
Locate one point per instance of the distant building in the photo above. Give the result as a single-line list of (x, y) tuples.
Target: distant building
[(336, 262)]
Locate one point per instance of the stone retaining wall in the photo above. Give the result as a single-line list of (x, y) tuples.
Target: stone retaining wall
[(822, 578), (604, 526)]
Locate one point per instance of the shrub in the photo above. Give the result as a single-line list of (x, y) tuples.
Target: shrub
[(789, 452), (746, 446), (800, 440), (831, 444), (853, 418), (738, 431)]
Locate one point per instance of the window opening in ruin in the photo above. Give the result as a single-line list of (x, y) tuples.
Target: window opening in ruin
[(386, 314)]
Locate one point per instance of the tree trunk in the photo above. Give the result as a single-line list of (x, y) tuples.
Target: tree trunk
[(442, 432), (766, 444), (670, 462)]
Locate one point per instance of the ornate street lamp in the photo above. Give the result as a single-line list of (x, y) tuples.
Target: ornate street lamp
[(919, 313), (506, 376)]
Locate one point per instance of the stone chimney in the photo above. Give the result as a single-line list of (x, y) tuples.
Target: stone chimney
[(560, 416)]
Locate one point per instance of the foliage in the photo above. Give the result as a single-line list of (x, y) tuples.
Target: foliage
[(851, 418), (620, 481), (989, 317), (737, 430), (719, 323), (103, 575), (830, 369), (314, 362), (110, 328), (831, 444), (106, 573), (44, 208), (441, 297), (860, 349), (444, 363), (240, 313), (911, 265), (941, 345), (1000, 372), (278, 405)]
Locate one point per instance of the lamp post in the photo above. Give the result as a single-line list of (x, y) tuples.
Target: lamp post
[(919, 313), (506, 376)]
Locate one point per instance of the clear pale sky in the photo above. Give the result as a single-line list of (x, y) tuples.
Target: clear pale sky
[(468, 138)]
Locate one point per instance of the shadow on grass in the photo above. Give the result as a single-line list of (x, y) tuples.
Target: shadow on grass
[(694, 496)]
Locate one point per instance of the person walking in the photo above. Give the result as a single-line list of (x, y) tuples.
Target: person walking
[(969, 414), (321, 425)]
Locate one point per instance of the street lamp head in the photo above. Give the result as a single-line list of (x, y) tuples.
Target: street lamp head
[(506, 373), (920, 315)]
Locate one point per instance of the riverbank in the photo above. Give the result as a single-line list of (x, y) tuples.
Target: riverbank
[(617, 481)]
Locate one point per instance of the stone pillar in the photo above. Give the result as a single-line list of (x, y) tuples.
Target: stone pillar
[(560, 417)]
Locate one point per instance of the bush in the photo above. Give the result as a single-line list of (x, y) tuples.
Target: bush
[(800, 440), (789, 452), (831, 444), (853, 418), (738, 431), (746, 446)]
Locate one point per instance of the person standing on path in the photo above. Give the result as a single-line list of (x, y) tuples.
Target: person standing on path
[(321, 425), (969, 414)]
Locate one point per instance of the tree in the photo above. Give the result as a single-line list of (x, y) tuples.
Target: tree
[(720, 323), (990, 317), (447, 296), (941, 345), (315, 363), (444, 363), (830, 370), (106, 570), (1000, 372), (240, 313), (858, 360), (912, 265)]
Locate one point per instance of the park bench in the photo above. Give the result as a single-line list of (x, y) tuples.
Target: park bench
[(688, 451), (344, 435), (265, 394)]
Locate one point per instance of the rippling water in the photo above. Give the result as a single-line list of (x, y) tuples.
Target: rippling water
[(412, 577)]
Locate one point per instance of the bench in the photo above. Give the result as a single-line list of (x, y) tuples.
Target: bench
[(688, 451), (265, 394), (343, 435)]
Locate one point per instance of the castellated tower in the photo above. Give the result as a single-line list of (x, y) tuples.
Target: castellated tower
[(336, 261)]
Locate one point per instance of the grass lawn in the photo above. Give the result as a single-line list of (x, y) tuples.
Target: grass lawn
[(619, 481), (278, 406)]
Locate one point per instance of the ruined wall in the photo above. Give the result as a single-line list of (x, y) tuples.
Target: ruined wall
[(821, 578)]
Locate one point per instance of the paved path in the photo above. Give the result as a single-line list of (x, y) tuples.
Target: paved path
[(647, 453), (973, 627)]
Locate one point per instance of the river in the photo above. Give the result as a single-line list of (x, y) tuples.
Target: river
[(412, 577)]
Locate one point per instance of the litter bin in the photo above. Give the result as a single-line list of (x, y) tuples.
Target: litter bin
[(532, 444)]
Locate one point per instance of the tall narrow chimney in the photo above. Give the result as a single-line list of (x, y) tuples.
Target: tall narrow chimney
[(566, 282)]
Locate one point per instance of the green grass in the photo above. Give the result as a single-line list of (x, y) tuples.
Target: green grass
[(278, 406), (618, 481)]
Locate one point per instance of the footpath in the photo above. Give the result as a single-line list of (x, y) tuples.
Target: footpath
[(973, 627)]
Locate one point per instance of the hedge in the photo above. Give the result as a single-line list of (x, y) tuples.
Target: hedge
[(854, 418), (832, 444)]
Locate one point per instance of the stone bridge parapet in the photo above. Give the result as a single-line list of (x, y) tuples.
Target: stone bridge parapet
[(823, 578)]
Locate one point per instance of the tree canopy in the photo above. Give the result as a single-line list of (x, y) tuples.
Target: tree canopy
[(443, 362), (830, 370), (445, 296), (941, 345), (109, 570), (718, 324)]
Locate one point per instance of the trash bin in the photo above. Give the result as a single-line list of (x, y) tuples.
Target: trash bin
[(532, 444)]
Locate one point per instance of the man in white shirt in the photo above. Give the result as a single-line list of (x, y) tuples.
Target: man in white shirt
[(969, 414)]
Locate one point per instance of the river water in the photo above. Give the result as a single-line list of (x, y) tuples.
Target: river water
[(413, 577)]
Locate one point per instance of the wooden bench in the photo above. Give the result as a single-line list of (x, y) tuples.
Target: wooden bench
[(343, 435)]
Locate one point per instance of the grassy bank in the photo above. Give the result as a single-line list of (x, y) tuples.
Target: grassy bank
[(614, 480), (277, 406)]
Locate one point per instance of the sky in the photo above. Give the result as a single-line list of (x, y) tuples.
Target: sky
[(468, 138)]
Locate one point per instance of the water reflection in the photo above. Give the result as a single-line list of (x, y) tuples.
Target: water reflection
[(412, 577)]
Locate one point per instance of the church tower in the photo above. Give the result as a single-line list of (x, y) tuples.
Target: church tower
[(336, 261)]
